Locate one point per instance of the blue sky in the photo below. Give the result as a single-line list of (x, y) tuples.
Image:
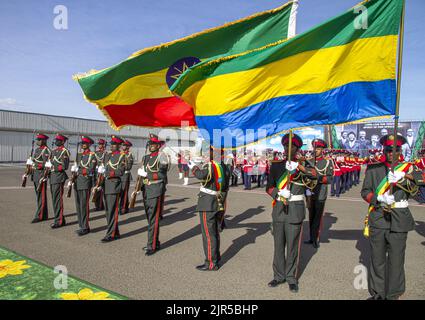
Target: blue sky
[(37, 61)]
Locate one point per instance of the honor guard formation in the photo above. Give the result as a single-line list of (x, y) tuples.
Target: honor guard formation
[(295, 180)]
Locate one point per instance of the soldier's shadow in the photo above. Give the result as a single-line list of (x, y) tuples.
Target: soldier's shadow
[(420, 229), (169, 219), (327, 234), (253, 231)]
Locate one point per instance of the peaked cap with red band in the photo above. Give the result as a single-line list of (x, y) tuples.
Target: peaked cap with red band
[(85, 139), (41, 136), (388, 140), (319, 143), (296, 140), (116, 140), (60, 137)]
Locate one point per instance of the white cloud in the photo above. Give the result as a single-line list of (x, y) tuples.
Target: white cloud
[(275, 140), (11, 104)]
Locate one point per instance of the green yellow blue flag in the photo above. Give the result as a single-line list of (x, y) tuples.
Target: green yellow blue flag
[(341, 71)]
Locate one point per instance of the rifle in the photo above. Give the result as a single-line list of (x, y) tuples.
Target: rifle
[(44, 177), (137, 188), (95, 192), (28, 168), (74, 175)]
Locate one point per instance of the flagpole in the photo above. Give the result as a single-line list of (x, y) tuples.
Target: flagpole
[(399, 70), (289, 157)]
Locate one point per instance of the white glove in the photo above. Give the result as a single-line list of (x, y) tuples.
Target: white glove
[(48, 164), (74, 168), (29, 162), (286, 193), (101, 169), (386, 198), (396, 176), (69, 184), (141, 172), (291, 166), (191, 164)]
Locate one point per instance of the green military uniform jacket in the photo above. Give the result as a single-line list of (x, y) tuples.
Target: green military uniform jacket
[(114, 170), (129, 165), (209, 202), (296, 209), (60, 161), (40, 157), (323, 173), (156, 165), (401, 218), (86, 162)]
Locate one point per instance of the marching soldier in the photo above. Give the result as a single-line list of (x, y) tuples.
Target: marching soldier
[(285, 185), (215, 178), (60, 163), (322, 170), (100, 157), (114, 170), (38, 162), (154, 171), (84, 168), (126, 178), (389, 219)]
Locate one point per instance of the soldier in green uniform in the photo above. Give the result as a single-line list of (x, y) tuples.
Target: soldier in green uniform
[(285, 185), (389, 219), (113, 170), (85, 168), (59, 165), (129, 160), (100, 157), (215, 177), (154, 171), (38, 161), (322, 171)]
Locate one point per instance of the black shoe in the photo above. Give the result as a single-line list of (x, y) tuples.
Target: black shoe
[(36, 220), (83, 232), (107, 239), (150, 252), (375, 297), (316, 244), (293, 287), (275, 283), (55, 226), (205, 267)]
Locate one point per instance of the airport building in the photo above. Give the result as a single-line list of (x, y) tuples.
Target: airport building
[(17, 131)]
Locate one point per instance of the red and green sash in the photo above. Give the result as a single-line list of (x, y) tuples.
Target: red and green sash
[(383, 187), (219, 175), (283, 182)]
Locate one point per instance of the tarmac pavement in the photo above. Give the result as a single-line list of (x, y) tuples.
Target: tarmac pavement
[(246, 247)]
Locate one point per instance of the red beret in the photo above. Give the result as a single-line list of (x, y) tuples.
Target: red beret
[(85, 139), (41, 136), (116, 140), (60, 137), (319, 143), (296, 140), (101, 141), (388, 140)]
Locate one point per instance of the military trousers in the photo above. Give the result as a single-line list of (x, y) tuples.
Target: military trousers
[(57, 191), (100, 204), (210, 225), (386, 276), (153, 209), (287, 245), (41, 212), (315, 218), (112, 210), (336, 186), (82, 203), (124, 197)]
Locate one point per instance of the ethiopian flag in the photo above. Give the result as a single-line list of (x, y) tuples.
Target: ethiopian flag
[(340, 71), (136, 91)]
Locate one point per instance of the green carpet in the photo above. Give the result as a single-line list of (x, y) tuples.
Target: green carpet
[(22, 278)]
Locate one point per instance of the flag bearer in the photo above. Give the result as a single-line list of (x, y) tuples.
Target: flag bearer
[(126, 178)]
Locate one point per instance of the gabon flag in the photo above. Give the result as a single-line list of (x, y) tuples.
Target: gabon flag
[(136, 91), (341, 71)]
